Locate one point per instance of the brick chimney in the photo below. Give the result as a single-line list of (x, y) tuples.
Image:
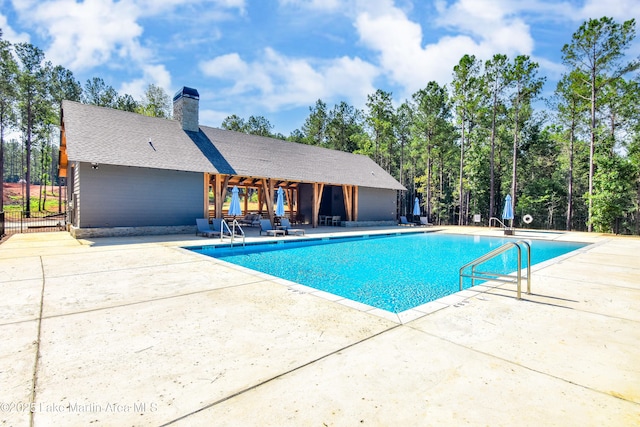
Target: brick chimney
[(185, 108)]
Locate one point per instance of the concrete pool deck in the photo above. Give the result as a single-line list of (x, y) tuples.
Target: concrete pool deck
[(138, 331)]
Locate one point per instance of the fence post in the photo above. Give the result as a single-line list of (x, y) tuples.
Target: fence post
[(2, 224)]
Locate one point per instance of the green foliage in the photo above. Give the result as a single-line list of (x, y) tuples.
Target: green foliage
[(155, 103), (314, 129), (461, 149), (255, 125), (597, 54), (614, 187)]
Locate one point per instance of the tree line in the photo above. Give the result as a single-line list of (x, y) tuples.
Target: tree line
[(31, 93), (571, 161)]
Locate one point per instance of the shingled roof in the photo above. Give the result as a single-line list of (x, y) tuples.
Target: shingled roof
[(107, 136)]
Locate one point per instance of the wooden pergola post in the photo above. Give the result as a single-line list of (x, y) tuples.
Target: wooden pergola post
[(347, 194), (267, 187), (246, 200), (318, 187), (291, 201), (220, 192), (205, 207), (354, 215)]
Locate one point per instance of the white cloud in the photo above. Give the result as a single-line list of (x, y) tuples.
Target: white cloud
[(484, 28), (152, 74), (275, 81), (323, 5), (225, 66), (9, 34), (85, 35), (92, 33), (620, 10)]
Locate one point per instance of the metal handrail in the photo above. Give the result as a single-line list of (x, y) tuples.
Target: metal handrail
[(224, 224), (499, 276), (496, 219), (235, 224)]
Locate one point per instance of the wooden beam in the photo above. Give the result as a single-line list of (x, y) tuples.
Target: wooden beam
[(318, 187), (205, 207), (347, 193), (355, 203), (289, 195), (216, 195), (221, 183), (246, 200), (267, 186)]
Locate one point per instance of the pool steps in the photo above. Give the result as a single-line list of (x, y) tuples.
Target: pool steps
[(486, 275)]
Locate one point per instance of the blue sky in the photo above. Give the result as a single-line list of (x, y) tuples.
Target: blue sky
[(275, 58)]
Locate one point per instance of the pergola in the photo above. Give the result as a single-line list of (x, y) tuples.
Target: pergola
[(267, 188)]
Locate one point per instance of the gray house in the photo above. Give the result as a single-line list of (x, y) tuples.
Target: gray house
[(131, 174)]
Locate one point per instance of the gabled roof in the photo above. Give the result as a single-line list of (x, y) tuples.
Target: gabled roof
[(104, 135)]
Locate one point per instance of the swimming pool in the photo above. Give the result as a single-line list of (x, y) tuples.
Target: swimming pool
[(390, 272)]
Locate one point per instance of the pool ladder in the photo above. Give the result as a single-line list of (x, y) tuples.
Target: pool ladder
[(499, 277), (236, 230)]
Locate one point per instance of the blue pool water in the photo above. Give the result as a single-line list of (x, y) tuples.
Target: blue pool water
[(394, 273)]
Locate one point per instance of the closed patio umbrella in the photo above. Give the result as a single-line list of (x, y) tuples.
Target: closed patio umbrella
[(280, 203), (416, 207), (507, 212), (234, 207)]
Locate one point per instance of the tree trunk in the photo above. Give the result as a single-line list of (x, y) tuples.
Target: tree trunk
[(461, 188), (28, 155), (429, 163), (514, 177), (570, 189), (492, 186)]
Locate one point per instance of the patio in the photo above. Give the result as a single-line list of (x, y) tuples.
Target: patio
[(138, 331)]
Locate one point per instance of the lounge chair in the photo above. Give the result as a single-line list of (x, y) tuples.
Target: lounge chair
[(403, 221), (204, 228), (286, 226), (252, 220), (267, 228), (425, 221), (216, 225)]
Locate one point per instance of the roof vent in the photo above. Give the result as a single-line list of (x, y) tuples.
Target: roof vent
[(185, 108)]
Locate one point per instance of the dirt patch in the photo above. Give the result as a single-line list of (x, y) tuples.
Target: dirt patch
[(13, 192)]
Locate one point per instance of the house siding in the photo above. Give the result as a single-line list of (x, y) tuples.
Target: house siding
[(376, 204), (74, 194), (119, 196)]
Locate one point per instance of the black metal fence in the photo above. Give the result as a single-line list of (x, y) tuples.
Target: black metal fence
[(12, 222)]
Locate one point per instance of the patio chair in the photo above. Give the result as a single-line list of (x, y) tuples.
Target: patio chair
[(425, 221), (204, 228), (335, 220), (403, 221), (267, 228), (216, 225), (251, 220), (286, 226)]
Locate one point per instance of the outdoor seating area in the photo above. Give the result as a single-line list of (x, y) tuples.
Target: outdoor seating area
[(333, 220), (251, 220), (425, 221), (267, 228), (405, 222), (285, 225), (203, 228)]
